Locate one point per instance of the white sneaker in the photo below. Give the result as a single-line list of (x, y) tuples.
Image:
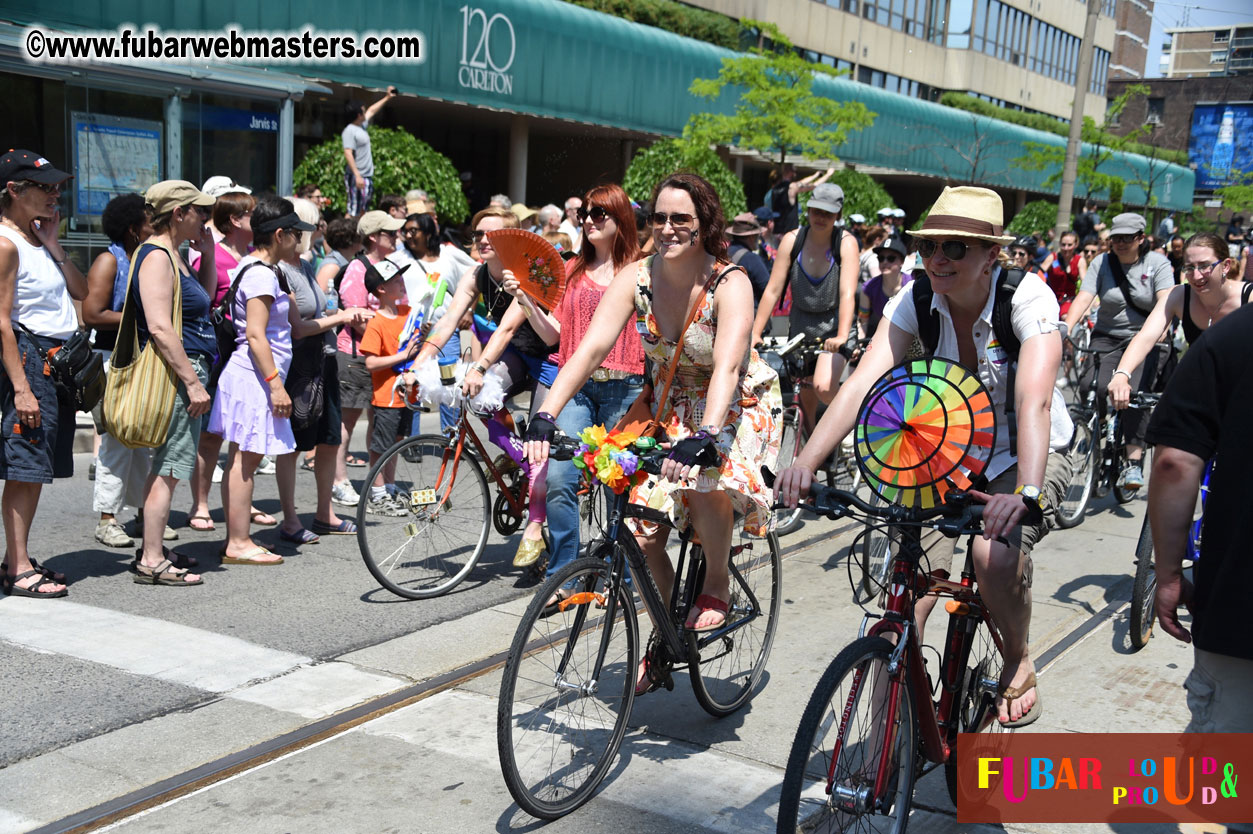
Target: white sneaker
[(344, 494), (111, 534), (1132, 477), (266, 466), (217, 474)]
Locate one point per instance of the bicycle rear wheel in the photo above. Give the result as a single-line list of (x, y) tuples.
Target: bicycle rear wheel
[(726, 664), (829, 782), (876, 556), (559, 723), (1083, 472), (1144, 590), (787, 521), (976, 700), (431, 535)]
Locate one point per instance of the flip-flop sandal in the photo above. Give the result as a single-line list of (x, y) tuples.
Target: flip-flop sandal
[(553, 607), (262, 518), (248, 558), (301, 536), (11, 587), (205, 526), (355, 461), (704, 603), (1013, 693), (344, 528), (307, 465), (163, 574)]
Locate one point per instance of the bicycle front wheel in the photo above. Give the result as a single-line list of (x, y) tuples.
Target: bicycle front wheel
[(1143, 592), (843, 735), (567, 692), (787, 521), (726, 664), (1083, 472), (976, 700), (429, 534)]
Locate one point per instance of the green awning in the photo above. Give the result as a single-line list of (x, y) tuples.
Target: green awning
[(556, 60)]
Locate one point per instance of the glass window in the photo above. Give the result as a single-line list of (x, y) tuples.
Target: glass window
[(959, 24), (898, 16), (1218, 57), (1223, 36)]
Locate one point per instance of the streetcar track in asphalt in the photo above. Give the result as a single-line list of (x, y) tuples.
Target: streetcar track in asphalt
[(227, 768)]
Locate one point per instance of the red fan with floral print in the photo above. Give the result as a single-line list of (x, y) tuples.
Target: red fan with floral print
[(534, 262)]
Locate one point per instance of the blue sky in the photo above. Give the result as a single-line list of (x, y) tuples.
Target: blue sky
[(1209, 13)]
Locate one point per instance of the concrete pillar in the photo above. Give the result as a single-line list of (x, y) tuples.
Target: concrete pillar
[(286, 146), (739, 168), (174, 136), (519, 136), (1020, 200), (628, 151)]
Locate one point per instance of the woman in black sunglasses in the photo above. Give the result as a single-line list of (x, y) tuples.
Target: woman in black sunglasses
[(960, 246), (1130, 280)]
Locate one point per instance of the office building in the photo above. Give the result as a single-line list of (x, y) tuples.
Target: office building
[(1206, 51)]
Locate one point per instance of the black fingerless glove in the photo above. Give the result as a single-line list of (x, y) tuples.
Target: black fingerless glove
[(696, 449), (543, 427)]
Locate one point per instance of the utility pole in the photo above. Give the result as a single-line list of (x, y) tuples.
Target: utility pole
[(1074, 143)]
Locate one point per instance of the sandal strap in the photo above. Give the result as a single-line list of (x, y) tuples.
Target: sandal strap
[(1012, 693)]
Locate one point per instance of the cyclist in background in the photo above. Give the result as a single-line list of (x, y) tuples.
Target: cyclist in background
[(960, 246)]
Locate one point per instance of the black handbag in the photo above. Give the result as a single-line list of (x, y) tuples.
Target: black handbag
[(305, 383), (76, 369)]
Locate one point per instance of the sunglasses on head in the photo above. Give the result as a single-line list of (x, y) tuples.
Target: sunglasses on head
[(954, 250), (598, 214), (678, 220)]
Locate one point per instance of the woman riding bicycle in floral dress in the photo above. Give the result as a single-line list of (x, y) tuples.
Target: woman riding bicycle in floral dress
[(722, 411), (960, 248)]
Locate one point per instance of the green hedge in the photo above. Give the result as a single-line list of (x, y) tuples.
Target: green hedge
[(653, 164), (1036, 216), (673, 17), (401, 162), (1038, 121)]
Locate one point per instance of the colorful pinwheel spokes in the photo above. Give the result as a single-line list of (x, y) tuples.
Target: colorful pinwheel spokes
[(927, 426)]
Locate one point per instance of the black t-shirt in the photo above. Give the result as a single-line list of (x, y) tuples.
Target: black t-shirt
[(1085, 225), (1205, 411), (525, 339), (789, 213), (758, 272)]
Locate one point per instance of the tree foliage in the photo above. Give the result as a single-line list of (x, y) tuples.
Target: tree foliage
[(1036, 216), (777, 112), (689, 22), (401, 162), (653, 164), (1090, 180), (1238, 196)]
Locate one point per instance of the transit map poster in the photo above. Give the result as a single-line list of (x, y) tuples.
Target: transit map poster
[(112, 156)]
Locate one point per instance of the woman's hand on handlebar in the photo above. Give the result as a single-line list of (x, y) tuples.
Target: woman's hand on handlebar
[(792, 485), (539, 434), (1002, 512), (1120, 391)]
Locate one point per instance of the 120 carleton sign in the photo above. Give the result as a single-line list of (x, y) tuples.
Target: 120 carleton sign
[(481, 67)]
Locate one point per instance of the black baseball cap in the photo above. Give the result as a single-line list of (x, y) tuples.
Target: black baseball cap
[(17, 165), (893, 244)]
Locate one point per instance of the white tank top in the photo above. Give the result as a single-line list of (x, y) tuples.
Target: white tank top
[(41, 300)]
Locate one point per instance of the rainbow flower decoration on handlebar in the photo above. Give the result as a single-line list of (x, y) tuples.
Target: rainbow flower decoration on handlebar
[(606, 458)]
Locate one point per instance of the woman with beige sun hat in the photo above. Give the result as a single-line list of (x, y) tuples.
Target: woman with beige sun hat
[(959, 246)]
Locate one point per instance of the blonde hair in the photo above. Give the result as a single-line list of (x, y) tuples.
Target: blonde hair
[(309, 213)]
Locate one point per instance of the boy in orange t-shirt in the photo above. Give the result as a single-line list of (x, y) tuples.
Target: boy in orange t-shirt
[(380, 345)]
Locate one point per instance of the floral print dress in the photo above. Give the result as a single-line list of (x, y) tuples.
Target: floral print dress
[(751, 432)]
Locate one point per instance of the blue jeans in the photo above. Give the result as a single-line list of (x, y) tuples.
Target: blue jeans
[(596, 403)]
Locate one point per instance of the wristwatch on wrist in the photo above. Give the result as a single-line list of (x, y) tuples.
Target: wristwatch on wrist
[(1032, 495), (1124, 373)]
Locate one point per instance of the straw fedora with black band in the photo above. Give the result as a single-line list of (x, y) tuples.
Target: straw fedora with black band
[(968, 212)]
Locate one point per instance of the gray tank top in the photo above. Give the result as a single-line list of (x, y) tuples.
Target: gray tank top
[(815, 306)]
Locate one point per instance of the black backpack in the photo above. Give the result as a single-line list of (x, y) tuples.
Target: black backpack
[(1002, 325)]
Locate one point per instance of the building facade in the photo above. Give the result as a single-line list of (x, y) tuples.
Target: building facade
[(1133, 20), (1200, 51)]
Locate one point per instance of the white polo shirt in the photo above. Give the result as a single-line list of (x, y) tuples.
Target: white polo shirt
[(1034, 313)]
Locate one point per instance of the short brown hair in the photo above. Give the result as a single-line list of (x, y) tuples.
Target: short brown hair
[(229, 206), (511, 219), (709, 217)]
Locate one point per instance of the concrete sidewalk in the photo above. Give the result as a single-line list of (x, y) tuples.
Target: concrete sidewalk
[(433, 766)]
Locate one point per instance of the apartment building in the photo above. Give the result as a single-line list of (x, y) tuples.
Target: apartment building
[(1207, 51)]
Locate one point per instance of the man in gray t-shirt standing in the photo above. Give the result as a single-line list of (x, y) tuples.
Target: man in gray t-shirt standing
[(359, 172)]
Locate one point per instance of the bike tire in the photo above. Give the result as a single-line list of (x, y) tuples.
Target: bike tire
[(975, 704), (557, 744), (1083, 474), (1143, 590), (805, 803), (426, 549), (876, 554), (788, 521), (726, 669)]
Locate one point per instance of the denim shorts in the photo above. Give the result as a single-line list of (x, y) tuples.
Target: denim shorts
[(35, 455)]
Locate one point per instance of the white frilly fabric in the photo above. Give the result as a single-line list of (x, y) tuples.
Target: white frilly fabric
[(434, 393)]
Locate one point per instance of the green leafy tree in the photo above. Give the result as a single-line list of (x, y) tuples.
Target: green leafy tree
[(401, 162), (1194, 221), (1238, 196), (653, 164), (1035, 217), (777, 112), (1088, 174)]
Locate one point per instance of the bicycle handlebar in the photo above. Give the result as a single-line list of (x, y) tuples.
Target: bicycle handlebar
[(958, 515), (563, 447)]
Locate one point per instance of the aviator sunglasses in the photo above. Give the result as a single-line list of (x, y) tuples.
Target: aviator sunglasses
[(678, 220), (954, 250)]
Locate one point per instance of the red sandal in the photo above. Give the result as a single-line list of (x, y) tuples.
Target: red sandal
[(704, 603)]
